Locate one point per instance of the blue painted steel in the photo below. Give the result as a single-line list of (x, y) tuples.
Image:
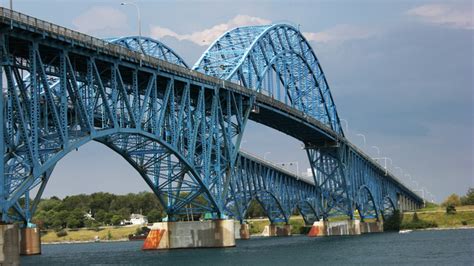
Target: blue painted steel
[(151, 47), (180, 129)]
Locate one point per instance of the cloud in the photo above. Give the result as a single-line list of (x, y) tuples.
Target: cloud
[(207, 36), (456, 17), (339, 33), (101, 19)]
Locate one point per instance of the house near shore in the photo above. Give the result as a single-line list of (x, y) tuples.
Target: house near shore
[(135, 219)]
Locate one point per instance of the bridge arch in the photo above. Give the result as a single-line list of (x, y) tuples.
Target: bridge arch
[(388, 207), (171, 176), (274, 54), (365, 203), (151, 47)]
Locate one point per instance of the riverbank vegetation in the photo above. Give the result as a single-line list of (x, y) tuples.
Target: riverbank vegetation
[(95, 210)]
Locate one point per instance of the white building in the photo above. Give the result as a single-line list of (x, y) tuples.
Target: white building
[(135, 219)]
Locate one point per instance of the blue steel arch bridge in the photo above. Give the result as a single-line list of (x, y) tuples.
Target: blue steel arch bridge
[(181, 127)]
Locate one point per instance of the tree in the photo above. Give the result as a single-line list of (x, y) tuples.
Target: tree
[(73, 223), (468, 199), (450, 209), (116, 219), (453, 199), (154, 216)]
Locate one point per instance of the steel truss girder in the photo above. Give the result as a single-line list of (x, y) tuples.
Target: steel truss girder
[(185, 135)]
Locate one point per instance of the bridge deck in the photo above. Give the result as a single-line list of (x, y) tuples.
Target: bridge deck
[(270, 112)]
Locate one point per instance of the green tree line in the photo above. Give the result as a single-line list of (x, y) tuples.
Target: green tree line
[(105, 208)]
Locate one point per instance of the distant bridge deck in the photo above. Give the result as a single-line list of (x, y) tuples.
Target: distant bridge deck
[(270, 112)]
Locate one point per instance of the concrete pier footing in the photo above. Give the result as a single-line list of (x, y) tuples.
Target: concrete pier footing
[(9, 244), (198, 234), (30, 243), (336, 228), (277, 230), (244, 231), (371, 227)]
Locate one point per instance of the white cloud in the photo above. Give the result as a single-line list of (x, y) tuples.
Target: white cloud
[(456, 17), (339, 33), (207, 36), (101, 19)]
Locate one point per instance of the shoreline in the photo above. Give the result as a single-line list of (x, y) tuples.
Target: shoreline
[(84, 241), (252, 236)]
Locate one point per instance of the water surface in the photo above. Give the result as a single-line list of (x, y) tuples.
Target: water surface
[(449, 247)]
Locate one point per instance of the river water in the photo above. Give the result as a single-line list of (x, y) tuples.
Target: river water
[(447, 247)]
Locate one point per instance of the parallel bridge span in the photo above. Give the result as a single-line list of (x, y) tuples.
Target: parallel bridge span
[(179, 128)]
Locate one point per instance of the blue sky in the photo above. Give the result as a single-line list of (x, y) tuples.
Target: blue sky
[(401, 73)]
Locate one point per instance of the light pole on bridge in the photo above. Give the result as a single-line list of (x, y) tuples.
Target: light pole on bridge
[(363, 136), (377, 149), (347, 124), (139, 19), (385, 162)]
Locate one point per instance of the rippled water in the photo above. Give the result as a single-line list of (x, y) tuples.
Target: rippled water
[(450, 247)]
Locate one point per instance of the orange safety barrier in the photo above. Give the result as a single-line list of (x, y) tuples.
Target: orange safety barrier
[(153, 239)]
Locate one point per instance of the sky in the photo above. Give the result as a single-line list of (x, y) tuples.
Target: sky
[(400, 72)]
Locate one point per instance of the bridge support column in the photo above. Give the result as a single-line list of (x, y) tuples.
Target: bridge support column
[(244, 231), (336, 228), (277, 230), (371, 227), (9, 244), (199, 234), (30, 243)]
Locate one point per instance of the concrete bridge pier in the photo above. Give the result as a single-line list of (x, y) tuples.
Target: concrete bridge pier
[(277, 230), (195, 234), (30, 241), (371, 227), (244, 231), (9, 244), (335, 228)]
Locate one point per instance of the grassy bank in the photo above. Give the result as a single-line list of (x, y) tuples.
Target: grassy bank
[(464, 216), (104, 233)]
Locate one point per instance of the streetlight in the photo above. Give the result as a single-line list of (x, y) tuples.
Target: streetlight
[(363, 136), (139, 18), (385, 162), (265, 155), (347, 124), (376, 148)]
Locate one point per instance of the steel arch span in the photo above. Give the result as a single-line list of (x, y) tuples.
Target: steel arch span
[(275, 60), (278, 191), (179, 134), (151, 47), (179, 128)]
